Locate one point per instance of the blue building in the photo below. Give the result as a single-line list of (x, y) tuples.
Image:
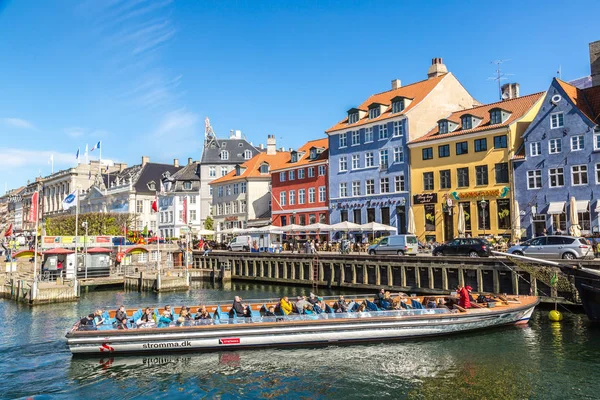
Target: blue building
[(561, 151), (369, 177)]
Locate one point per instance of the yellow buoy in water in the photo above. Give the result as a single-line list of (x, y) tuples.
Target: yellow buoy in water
[(555, 316)]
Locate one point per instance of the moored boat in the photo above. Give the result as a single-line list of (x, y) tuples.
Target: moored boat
[(258, 331)]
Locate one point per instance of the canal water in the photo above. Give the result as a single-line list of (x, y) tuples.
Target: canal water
[(543, 360)]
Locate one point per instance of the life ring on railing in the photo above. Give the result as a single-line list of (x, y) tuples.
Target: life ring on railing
[(120, 257)]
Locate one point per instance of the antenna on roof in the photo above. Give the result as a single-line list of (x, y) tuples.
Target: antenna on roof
[(500, 76), (209, 134)]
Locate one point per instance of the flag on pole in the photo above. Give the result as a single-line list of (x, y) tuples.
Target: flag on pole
[(185, 210), (96, 146), (70, 200), (554, 279), (33, 210), (155, 203), (77, 155), (8, 231), (51, 160)]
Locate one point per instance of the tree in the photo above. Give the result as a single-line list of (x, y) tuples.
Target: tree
[(209, 223), (110, 224)]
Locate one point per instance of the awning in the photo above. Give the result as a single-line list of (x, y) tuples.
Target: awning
[(58, 250), (583, 205), (597, 206), (94, 250), (136, 250), (557, 207)]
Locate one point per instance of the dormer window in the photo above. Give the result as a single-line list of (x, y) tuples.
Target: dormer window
[(224, 155), (264, 168), (151, 186), (238, 170), (353, 118), (443, 126), (247, 155), (294, 156), (187, 185), (398, 106), (374, 112), (467, 122), (313, 154), (495, 117)]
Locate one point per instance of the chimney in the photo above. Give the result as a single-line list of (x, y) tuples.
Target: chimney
[(595, 62), (175, 162), (437, 68), (231, 134), (510, 91), (396, 84), (261, 146), (238, 134), (145, 160), (271, 145), (189, 160)]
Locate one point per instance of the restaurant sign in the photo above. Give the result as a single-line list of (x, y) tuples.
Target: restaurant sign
[(425, 198)]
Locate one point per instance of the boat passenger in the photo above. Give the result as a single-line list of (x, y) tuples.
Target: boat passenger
[(315, 303), (185, 314), (270, 312), (87, 323), (302, 304), (167, 313), (98, 320), (430, 302), (441, 303), (340, 306), (286, 305), (464, 301), (387, 303), (121, 318), (241, 310), (379, 298), (202, 314), (470, 290)]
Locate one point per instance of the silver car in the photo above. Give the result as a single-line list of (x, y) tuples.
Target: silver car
[(566, 247)]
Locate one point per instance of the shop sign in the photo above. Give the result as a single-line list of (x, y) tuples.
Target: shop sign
[(425, 198), (233, 218)]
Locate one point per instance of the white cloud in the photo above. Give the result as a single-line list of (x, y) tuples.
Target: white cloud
[(91, 134), (177, 131), (18, 157), (18, 123)]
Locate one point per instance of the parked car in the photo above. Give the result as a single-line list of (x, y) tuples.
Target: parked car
[(471, 247), (240, 243), (396, 244), (565, 247)]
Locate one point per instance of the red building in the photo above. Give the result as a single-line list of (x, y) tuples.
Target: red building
[(299, 188)]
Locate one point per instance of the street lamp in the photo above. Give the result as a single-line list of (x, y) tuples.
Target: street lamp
[(483, 214), (84, 224)]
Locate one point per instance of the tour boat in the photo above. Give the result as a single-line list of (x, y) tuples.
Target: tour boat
[(223, 333)]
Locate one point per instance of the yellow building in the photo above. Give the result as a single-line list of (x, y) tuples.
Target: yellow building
[(465, 162)]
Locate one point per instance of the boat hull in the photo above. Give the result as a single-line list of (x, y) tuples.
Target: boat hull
[(355, 328), (587, 284)]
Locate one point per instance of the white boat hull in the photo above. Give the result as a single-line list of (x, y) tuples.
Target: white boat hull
[(325, 331)]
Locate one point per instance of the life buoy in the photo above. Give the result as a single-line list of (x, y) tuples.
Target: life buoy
[(120, 257)]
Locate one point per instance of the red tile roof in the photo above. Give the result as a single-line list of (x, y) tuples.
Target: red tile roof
[(416, 91), (252, 167), (578, 97), (517, 107), (305, 159)]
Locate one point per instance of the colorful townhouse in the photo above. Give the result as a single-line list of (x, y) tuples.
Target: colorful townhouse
[(465, 161), (242, 198), (368, 154), (562, 159), (299, 186)]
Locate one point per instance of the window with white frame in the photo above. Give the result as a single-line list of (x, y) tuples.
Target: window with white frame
[(352, 118), (236, 188), (139, 206), (223, 171), (220, 209), (322, 194), (236, 207), (228, 190), (247, 154), (292, 197), (370, 186), (321, 170), (579, 175), (282, 176), (301, 196), (343, 140), (343, 164), (535, 149), (356, 188), (282, 198), (399, 183), (369, 159), (311, 195), (383, 133), (343, 189), (162, 215), (554, 146), (397, 106), (143, 257), (557, 120), (311, 172), (368, 134), (224, 155), (495, 117), (534, 179), (243, 187), (597, 139), (355, 138), (374, 112), (227, 208), (212, 172), (242, 206), (193, 199), (383, 158), (210, 190), (384, 185), (291, 175), (355, 161), (301, 173), (398, 129), (577, 143), (192, 215), (398, 154)]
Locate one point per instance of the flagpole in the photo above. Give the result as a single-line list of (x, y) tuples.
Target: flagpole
[(158, 235), (35, 246), (76, 229)]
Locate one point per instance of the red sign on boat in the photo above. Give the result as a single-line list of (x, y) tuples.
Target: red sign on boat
[(230, 341)]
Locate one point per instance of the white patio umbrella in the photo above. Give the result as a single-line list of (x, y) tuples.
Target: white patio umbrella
[(269, 229), (377, 227), (516, 222), (345, 226), (205, 232), (461, 221), (292, 228), (411, 221), (317, 227), (574, 229)]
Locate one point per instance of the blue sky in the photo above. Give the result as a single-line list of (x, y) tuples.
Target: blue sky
[(141, 76)]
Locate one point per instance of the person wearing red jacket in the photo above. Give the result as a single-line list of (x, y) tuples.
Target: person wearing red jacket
[(463, 292)]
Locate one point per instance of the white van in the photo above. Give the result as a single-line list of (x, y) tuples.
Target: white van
[(240, 243), (396, 244)]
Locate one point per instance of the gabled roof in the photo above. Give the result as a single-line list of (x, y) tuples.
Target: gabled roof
[(416, 91), (252, 167), (516, 107), (305, 159), (235, 146), (141, 175), (586, 100)]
